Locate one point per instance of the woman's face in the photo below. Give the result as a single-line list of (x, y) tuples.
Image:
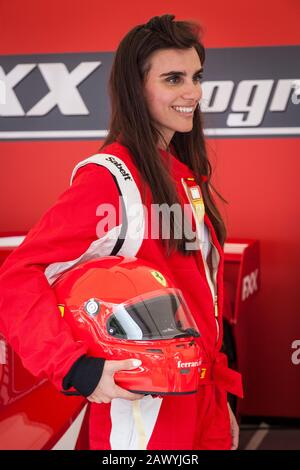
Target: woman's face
[(172, 90)]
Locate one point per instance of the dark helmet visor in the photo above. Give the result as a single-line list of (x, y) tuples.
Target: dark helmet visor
[(159, 315)]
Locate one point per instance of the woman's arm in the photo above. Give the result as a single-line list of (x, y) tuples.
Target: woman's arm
[(29, 317)]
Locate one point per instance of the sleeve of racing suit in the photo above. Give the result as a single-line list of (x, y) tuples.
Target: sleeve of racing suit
[(84, 375), (29, 316)]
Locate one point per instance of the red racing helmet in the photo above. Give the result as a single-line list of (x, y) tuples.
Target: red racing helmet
[(125, 308)]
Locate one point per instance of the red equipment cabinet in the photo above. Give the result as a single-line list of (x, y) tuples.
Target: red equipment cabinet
[(241, 276), (242, 281), (270, 379)]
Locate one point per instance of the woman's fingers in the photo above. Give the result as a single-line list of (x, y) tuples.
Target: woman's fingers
[(127, 364), (107, 389), (122, 393)]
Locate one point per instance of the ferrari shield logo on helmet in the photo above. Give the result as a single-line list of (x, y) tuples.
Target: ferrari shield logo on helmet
[(159, 277), (61, 308)]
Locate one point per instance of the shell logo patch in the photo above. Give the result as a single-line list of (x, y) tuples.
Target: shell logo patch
[(159, 277)]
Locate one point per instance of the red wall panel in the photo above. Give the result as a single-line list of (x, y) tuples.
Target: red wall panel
[(92, 25)]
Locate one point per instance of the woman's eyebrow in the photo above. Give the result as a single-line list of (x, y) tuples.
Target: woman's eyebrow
[(177, 72)]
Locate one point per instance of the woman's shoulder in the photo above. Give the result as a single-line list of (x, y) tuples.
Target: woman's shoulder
[(109, 156), (116, 149)]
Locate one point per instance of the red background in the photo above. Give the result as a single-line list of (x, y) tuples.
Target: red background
[(258, 176)]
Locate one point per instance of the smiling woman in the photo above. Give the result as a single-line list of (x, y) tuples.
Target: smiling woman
[(154, 157)]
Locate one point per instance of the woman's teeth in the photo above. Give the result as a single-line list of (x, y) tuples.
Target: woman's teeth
[(182, 109)]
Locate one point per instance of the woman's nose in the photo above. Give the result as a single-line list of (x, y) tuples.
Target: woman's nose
[(192, 91)]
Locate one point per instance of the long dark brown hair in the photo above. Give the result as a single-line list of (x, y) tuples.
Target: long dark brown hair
[(131, 122)]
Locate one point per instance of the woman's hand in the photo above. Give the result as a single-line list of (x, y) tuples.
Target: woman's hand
[(107, 389), (234, 428)]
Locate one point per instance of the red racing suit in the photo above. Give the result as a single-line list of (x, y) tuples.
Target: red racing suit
[(71, 232)]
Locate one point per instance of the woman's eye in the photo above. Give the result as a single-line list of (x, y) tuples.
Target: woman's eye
[(173, 79), (198, 78)]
